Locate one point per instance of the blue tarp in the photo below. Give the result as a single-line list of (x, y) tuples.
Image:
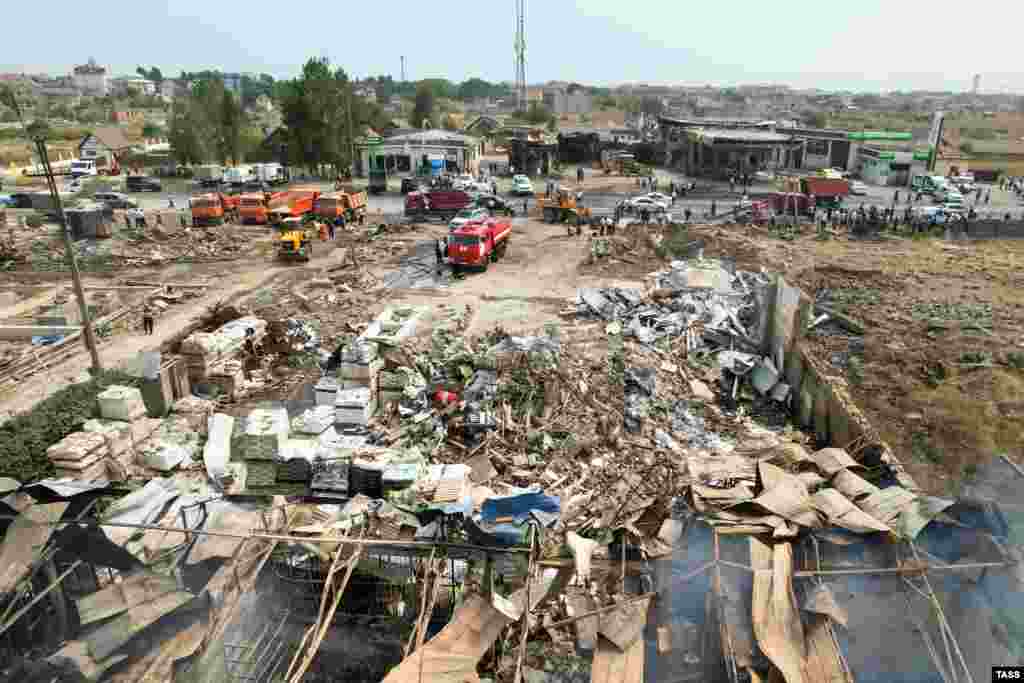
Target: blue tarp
[(520, 507)]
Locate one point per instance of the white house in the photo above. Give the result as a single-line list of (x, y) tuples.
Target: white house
[(91, 79)]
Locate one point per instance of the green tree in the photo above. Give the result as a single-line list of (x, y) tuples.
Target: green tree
[(424, 107), (151, 130), (537, 114), (153, 73), (231, 121)]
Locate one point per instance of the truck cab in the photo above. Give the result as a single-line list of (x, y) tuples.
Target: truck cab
[(476, 244)]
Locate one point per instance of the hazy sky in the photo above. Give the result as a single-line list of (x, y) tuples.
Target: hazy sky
[(860, 45)]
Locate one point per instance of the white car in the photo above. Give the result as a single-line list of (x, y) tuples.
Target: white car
[(466, 216), (463, 181), (764, 176), (646, 203), (858, 188), (521, 185), (660, 198)]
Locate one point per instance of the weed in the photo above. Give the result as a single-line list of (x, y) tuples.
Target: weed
[(855, 370), (1015, 359), (923, 449), (934, 374)]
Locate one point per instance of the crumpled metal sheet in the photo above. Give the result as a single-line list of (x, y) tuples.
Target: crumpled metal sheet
[(25, 540)]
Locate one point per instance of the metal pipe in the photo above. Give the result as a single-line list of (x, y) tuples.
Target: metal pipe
[(295, 539)]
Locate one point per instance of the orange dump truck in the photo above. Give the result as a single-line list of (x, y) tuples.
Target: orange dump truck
[(341, 207), (253, 207), (213, 208), (292, 204)]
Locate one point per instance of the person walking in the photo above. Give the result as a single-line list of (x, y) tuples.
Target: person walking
[(714, 208), (147, 321), (439, 252), (988, 196), (896, 197), (688, 214)]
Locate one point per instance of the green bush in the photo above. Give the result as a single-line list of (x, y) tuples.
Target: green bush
[(25, 438)]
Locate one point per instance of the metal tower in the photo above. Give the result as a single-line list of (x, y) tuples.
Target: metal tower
[(520, 53)]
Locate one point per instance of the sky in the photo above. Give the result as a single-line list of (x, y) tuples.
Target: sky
[(865, 45)]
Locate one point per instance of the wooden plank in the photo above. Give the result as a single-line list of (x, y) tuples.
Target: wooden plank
[(120, 597), (452, 655), (777, 623)]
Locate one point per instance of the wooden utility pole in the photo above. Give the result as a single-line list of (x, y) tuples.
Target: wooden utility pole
[(76, 278)]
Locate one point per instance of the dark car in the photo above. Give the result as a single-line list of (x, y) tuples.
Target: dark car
[(494, 204), (410, 185), (21, 200), (115, 200), (141, 183)]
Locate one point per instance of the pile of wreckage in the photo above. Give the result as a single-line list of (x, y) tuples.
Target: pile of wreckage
[(604, 514)]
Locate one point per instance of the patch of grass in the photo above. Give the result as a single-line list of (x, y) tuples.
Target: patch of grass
[(923, 449), (1015, 359), (855, 370), (934, 374), (25, 438)]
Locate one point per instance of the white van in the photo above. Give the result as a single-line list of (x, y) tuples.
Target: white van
[(83, 167)]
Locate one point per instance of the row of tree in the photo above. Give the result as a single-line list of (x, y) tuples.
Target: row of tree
[(207, 124)]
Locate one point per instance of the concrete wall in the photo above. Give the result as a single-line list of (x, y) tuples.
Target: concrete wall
[(821, 401)]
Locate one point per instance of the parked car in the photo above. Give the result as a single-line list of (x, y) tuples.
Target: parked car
[(141, 183), (521, 185), (115, 200), (660, 198), (6, 201), (495, 204), (410, 185), (764, 176), (467, 215), (645, 202), (462, 182), (858, 188), (947, 195)]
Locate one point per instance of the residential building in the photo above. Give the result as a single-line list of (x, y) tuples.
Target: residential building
[(170, 88), (560, 101), (91, 79), (124, 85), (104, 145)]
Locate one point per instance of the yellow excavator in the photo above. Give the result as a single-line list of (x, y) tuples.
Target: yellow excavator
[(563, 208), (295, 242)]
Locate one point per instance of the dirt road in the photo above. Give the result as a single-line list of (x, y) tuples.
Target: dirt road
[(527, 288)]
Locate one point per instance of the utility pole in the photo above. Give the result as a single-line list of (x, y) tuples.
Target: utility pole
[(403, 68), (76, 278), (7, 97), (351, 132)]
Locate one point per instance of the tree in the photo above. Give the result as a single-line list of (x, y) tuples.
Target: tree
[(151, 130), (230, 128), (424, 107), (154, 74), (477, 88), (537, 114)]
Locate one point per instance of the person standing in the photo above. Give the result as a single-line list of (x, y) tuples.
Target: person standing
[(714, 208), (147, 321), (439, 252), (988, 196), (896, 198)]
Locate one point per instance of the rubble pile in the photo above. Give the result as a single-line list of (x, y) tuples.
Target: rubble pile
[(564, 468)]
